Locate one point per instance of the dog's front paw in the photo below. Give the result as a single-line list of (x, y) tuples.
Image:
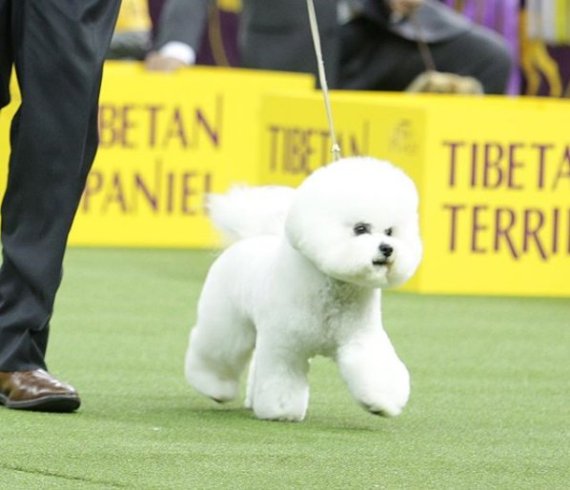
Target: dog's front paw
[(386, 406), (279, 412), (390, 395), (286, 401)]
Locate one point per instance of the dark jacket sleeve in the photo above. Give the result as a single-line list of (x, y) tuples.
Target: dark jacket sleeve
[(276, 35), (437, 22), (183, 21)]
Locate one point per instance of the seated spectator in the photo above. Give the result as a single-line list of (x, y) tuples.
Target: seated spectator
[(367, 44)]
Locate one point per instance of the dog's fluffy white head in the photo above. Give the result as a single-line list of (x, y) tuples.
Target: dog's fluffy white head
[(356, 220)]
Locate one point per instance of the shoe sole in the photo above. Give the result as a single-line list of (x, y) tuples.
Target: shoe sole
[(52, 403)]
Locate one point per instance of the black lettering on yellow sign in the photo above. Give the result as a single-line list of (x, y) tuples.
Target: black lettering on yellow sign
[(539, 231), (528, 190), (161, 126), (163, 191), (508, 165), (301, 150)]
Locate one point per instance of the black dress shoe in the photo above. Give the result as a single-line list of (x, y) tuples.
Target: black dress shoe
[(36, 390)]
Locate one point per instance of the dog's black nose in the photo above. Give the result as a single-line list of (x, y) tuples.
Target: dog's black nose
[(386, 249)]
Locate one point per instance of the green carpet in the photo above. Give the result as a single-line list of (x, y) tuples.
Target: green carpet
[(489, 406)]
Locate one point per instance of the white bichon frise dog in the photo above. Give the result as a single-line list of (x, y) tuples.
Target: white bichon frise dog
[(304, 279)]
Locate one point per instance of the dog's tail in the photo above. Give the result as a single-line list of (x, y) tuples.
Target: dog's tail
[(245, 212)]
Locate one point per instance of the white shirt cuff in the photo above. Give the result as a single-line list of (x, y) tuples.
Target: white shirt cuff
[(179, 51)]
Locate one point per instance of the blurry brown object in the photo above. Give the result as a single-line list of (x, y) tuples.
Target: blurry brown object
[(445, 83), (404, 8), (434, 81)]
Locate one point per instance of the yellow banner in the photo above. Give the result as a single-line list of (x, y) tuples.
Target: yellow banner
[(165, 141), (493, 174)]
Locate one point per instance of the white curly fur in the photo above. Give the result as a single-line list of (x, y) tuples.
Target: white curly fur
[(301, 282), (247, 212)]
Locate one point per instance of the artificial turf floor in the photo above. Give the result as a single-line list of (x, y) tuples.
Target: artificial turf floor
[(489, 406)]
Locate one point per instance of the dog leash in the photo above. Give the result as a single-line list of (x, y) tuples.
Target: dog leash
[(423, 46), (335, 148)]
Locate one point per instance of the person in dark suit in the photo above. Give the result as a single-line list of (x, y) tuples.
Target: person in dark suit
[(367, 44), (57, 48)]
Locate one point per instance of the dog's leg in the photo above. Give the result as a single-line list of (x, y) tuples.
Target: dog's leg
[(249, 391), (220, 347), (375, 376), (279, 389)]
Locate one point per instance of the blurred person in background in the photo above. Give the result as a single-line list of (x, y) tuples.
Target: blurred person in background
[(57, 48), (367, 44)]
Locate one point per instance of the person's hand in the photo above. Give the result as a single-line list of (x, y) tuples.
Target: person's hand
[(157, 62), (403, 8)]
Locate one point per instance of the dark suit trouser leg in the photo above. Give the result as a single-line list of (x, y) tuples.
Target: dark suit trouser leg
[(374, 59), (57, 48)]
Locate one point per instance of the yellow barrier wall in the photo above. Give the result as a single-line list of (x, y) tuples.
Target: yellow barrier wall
[(165, 141), (493, 174)]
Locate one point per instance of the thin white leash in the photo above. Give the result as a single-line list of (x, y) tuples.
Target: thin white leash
[(335, 148), (423, 46)]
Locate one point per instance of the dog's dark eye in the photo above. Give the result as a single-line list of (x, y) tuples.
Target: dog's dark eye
[(361, 228), (389, 231)]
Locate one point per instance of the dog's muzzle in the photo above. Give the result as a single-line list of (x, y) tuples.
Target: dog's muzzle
[(386, 251)]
